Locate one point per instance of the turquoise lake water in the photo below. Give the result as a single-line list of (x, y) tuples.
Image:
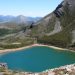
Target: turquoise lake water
[(37, 59)]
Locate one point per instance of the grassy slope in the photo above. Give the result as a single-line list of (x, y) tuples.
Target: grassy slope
[(61, 39), (12, 34)]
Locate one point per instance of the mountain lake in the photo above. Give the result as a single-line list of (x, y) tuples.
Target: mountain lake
[(37, 59)]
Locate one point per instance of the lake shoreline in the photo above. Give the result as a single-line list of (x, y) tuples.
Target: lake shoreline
[(67, 68), (33, 45)]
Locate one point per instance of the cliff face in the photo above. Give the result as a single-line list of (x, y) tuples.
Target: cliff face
[(58, 28)]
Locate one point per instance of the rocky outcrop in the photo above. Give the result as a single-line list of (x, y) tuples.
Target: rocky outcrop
[(63, 70), (59, 10)]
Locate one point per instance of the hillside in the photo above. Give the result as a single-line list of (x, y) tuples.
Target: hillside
[(57, 28), (16, 32)]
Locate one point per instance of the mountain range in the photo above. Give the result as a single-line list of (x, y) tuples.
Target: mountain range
[(56, 28), (18, 19)]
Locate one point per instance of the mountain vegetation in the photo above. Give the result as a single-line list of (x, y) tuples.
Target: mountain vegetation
[(57, 28), (63, 37)]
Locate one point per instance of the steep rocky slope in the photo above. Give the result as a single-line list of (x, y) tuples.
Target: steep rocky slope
[(57, 28)]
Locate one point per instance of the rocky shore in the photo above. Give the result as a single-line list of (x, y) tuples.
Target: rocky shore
[(63, 70)]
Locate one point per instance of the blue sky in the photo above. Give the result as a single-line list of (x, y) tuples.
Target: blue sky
[(28, 7)]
